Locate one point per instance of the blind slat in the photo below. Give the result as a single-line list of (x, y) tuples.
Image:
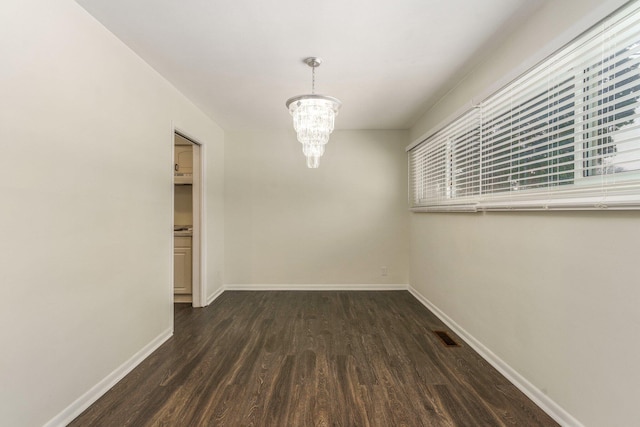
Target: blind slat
[(568, 129)]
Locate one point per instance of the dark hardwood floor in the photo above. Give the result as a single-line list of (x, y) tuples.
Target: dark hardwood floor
[(312, 359)]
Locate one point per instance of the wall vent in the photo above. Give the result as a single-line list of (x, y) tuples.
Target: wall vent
[(446, 339)]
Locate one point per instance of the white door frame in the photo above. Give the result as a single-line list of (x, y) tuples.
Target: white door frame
[(198, 251)]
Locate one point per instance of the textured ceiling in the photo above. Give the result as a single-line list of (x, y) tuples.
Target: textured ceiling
[(240, 60)]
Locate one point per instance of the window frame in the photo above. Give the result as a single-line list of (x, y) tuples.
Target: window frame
[(614, 190)]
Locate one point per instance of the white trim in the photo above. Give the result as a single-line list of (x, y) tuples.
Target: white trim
[(215, 295), (202, 224), (493, 147), (199, 247), (316, 287), (537, 396), (183, 299), (95, 392), (198, 291), (545, 403)]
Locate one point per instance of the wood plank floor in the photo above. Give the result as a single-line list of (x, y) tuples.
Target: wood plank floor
[(312, 359)]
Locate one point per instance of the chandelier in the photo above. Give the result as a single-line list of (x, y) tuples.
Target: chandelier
[(313, 118)]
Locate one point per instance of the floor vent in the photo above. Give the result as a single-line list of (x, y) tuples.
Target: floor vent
[(446, 339)]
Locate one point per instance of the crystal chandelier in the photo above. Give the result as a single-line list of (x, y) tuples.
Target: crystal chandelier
[(313, 118)]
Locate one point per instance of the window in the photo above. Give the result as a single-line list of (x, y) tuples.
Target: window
[(444, 169), (565, 135)]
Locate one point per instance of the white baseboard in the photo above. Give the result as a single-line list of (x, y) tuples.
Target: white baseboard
[(296, 287), (538, 397), (215, 295), (87, 399), (545, 403), (182, 298)]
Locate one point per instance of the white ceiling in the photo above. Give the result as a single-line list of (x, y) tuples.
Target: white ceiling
[(240, 60)]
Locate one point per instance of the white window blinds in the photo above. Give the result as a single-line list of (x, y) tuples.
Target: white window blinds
[(564, 135), (443, 170)]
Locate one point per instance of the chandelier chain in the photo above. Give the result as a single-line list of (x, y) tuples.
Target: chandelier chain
[(313, 79)]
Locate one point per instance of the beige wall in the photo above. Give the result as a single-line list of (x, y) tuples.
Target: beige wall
[(552, 294), (338, 224), (86, 139)]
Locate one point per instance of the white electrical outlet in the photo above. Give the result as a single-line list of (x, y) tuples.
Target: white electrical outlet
[(384, 271)]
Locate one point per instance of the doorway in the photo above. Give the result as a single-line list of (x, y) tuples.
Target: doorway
[(187, 219)]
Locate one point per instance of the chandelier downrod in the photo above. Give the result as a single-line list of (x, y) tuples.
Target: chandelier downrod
[(313, 62)]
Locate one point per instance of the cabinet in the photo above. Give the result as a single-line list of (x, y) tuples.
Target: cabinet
[(182, 268), (183, 166)]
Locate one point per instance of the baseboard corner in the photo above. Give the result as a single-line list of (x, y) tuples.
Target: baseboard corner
[(211, 298), (543, 401), (94, 393)]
